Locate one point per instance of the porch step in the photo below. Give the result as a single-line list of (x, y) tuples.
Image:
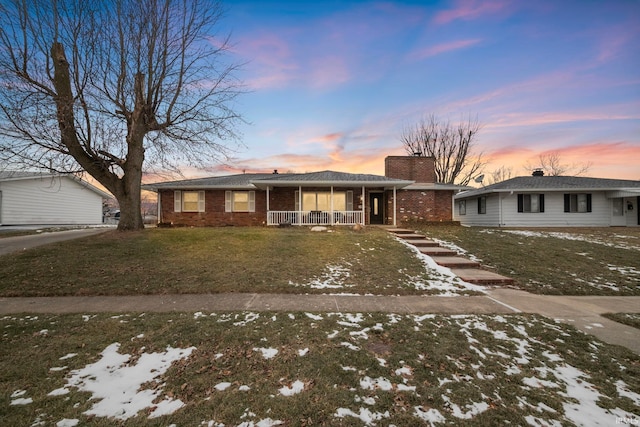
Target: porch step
[(437, 251), (455, 262), (400, 231), (422, 243), (412, 236), (481, 277)]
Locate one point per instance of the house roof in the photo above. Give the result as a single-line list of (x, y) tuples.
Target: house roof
[(19, 175), (557, 183), (329, 178), (234, 182), (262, 181)]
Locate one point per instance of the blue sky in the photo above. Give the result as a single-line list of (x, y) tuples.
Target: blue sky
[(332, 84)]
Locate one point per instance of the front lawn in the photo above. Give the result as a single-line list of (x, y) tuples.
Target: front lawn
[(572, 261), (215, 260), (310, 369)]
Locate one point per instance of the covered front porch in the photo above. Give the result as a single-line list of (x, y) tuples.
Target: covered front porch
[(330, 198)]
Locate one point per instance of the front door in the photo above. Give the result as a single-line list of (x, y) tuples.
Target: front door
[(376, 208)]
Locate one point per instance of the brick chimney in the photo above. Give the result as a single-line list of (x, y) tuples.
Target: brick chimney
[(412, 168)]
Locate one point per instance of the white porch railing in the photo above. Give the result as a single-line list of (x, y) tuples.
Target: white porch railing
[(314, 217)]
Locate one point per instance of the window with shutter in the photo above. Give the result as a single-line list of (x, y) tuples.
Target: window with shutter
[(577, 203), (177, 201)]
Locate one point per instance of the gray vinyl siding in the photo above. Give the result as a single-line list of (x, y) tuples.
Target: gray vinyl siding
[(553, 215), (472, 217), (58, 200)]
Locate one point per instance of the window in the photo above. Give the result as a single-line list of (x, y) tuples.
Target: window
[(188, 201), (462, 207), (482, 205), (531, 203), (577, 203), (240, 201), (321, 201)]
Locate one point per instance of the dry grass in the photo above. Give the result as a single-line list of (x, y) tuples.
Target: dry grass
[(483, 366), (573, 261), (214, 260)]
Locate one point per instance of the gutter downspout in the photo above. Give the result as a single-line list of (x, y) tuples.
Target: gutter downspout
[(159, 208), (268, 216)]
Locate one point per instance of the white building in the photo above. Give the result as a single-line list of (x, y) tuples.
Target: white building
[(48, 199), (551, 201)]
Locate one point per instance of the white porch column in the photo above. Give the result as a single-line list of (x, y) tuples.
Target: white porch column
[(331, 207), (300, 205), (364, 201), (395, 212)]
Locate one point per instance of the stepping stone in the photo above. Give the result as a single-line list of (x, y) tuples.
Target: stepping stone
[(455, 262), (437, 251), (422, 243), (481, 277)]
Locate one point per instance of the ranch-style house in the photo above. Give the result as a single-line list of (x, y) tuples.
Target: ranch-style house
[(407, 192)]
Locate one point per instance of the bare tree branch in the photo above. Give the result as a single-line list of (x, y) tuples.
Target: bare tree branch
[(452, 147), (115, 88)]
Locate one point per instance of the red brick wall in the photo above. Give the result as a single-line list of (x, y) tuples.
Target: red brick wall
[(412, 168), (420, 206), (214, 214)]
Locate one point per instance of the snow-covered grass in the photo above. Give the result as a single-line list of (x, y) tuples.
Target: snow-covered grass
[(572, 261), (266, 369)]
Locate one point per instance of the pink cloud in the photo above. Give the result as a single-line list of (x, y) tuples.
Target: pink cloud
[(443, 48), (468, 10), (608, 159)]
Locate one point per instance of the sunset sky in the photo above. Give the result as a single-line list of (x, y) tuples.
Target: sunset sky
[(332, 84)]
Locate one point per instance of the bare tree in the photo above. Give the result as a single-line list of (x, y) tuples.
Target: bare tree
[(552, 165), (452, 147), (107, 87), (503, 173)]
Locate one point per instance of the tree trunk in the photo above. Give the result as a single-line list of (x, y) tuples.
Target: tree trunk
[(130, 207)]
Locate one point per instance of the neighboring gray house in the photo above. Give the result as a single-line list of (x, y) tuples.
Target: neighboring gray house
[(551, 201), (51, 199)]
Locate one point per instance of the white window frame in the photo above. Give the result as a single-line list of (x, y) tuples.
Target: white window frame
[(230, 201), (179, 200), (348, 199)]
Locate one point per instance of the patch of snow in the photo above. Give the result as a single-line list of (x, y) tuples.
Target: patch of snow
[(474, 408), (379, 383), (66, 422), (267, 353), (623, 391), (222, 386), (58, 368), (365, 415), (350, 346), (432, 416), (59, 392), (22, 401), (296, 387), (303, 352), (313, 316), (68, 356), (116, 383)]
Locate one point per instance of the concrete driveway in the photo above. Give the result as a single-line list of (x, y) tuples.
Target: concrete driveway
[(21, 243)]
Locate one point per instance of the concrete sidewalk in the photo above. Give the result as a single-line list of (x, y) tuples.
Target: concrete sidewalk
[(581, 312)]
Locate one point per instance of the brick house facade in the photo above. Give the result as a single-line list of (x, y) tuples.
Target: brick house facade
[(407, 192)]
